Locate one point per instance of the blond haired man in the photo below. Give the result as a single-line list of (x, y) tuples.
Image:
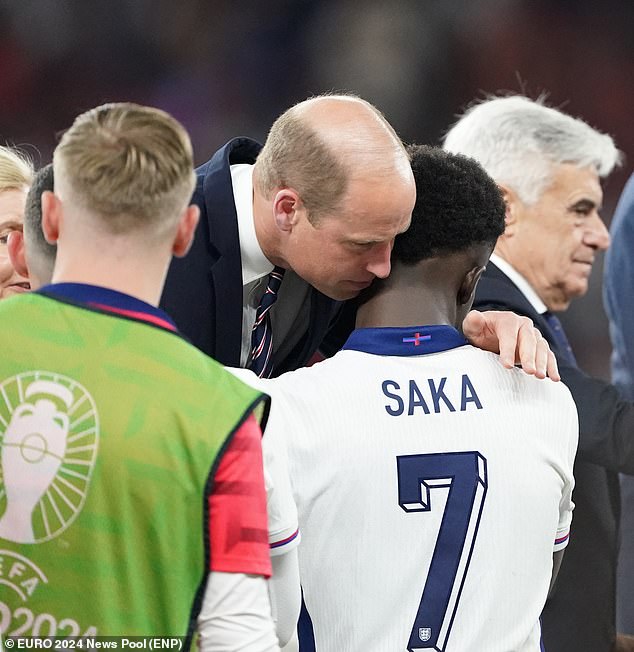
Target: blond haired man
[(16, 175), (131, 463), (290, 231)]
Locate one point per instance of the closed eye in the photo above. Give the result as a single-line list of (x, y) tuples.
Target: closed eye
[(584, 207), (7, 230)]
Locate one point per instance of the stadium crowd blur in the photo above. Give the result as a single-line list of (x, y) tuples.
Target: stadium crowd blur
[(227, 68)]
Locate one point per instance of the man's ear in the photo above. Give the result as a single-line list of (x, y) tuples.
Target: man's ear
[(468, 286), (286, 204), (52, 214), (511, 204), (186, 231), (15, 245)]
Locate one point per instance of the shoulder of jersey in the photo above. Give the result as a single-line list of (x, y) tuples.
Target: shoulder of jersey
[(535, 384)]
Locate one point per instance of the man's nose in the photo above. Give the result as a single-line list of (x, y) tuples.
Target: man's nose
[(597, 235), (379, 263)]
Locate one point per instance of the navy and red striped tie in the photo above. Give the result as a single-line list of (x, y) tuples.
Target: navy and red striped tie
[(262, 333)]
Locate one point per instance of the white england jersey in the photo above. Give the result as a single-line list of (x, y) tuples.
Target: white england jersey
[(432, 491)]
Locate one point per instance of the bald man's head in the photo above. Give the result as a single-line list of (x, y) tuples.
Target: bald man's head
[(348, 123), (320, 146), (333, 187)]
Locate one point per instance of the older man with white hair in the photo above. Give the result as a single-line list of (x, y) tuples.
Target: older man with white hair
[(549, 165)]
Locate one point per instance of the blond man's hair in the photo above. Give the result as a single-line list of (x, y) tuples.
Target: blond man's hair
[(130, 165), (295, 155), (16, 169)]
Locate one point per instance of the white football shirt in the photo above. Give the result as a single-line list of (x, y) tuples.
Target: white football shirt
[(432, 486)]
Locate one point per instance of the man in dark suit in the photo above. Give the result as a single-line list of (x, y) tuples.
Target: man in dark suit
[(548, 166), (313, 221)]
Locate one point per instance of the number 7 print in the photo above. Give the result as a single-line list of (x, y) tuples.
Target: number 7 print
[(466, 476)]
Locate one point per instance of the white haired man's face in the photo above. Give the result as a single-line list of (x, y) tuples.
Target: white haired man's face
[(554, 242)]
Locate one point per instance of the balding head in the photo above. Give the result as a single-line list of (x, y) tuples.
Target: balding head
[(320, 146), (351, 126), (333, 187)]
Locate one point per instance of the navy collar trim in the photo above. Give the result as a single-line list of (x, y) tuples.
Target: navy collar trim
[(415, 340), (109, 301)]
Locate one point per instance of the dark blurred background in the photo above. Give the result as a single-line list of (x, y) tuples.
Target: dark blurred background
[(229, 67)]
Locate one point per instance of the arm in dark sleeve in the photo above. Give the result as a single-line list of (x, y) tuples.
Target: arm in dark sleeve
[(606, 422)]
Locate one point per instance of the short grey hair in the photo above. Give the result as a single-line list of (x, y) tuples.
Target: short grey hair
[(518, 140)]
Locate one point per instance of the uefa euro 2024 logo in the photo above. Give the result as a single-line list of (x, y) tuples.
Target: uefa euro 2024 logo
[(49, 431)]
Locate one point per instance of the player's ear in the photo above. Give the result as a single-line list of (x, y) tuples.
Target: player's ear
[(467, 288), (15, 246), (51, 216), (185, 231)]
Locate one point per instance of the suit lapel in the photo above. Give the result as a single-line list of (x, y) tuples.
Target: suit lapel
[(226, 271), (323, 311), (496, 291)]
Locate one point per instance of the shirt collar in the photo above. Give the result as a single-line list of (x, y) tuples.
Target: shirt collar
[(414, 340), (522, 284), (255, 264), (109, 301)]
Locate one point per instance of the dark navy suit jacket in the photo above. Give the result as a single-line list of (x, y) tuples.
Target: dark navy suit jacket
[(203, 291), (580, 614)]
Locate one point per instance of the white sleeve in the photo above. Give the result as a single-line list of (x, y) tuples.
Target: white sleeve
[(280, 504), (236, 615), (571, 428), (286, 596)]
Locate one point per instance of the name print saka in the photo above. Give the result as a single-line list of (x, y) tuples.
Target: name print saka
[(430, 396)]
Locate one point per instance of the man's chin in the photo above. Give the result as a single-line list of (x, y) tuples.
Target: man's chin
[(344, 291), (562, 302), (341, 295), (368, 293), (578, 290)]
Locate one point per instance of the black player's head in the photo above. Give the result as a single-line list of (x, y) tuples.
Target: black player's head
[(456, 221), (458, 207)]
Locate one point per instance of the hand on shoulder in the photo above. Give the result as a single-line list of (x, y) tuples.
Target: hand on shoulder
[(514, 338)]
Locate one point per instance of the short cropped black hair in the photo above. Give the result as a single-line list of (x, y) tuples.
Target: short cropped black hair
[(42, 181), (457, 206)]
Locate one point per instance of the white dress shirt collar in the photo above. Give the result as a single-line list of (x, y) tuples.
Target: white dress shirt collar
[(529, 294), (255, 264)]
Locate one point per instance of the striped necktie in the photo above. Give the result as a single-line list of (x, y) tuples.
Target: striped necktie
[(262, 333), (558, 330)]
